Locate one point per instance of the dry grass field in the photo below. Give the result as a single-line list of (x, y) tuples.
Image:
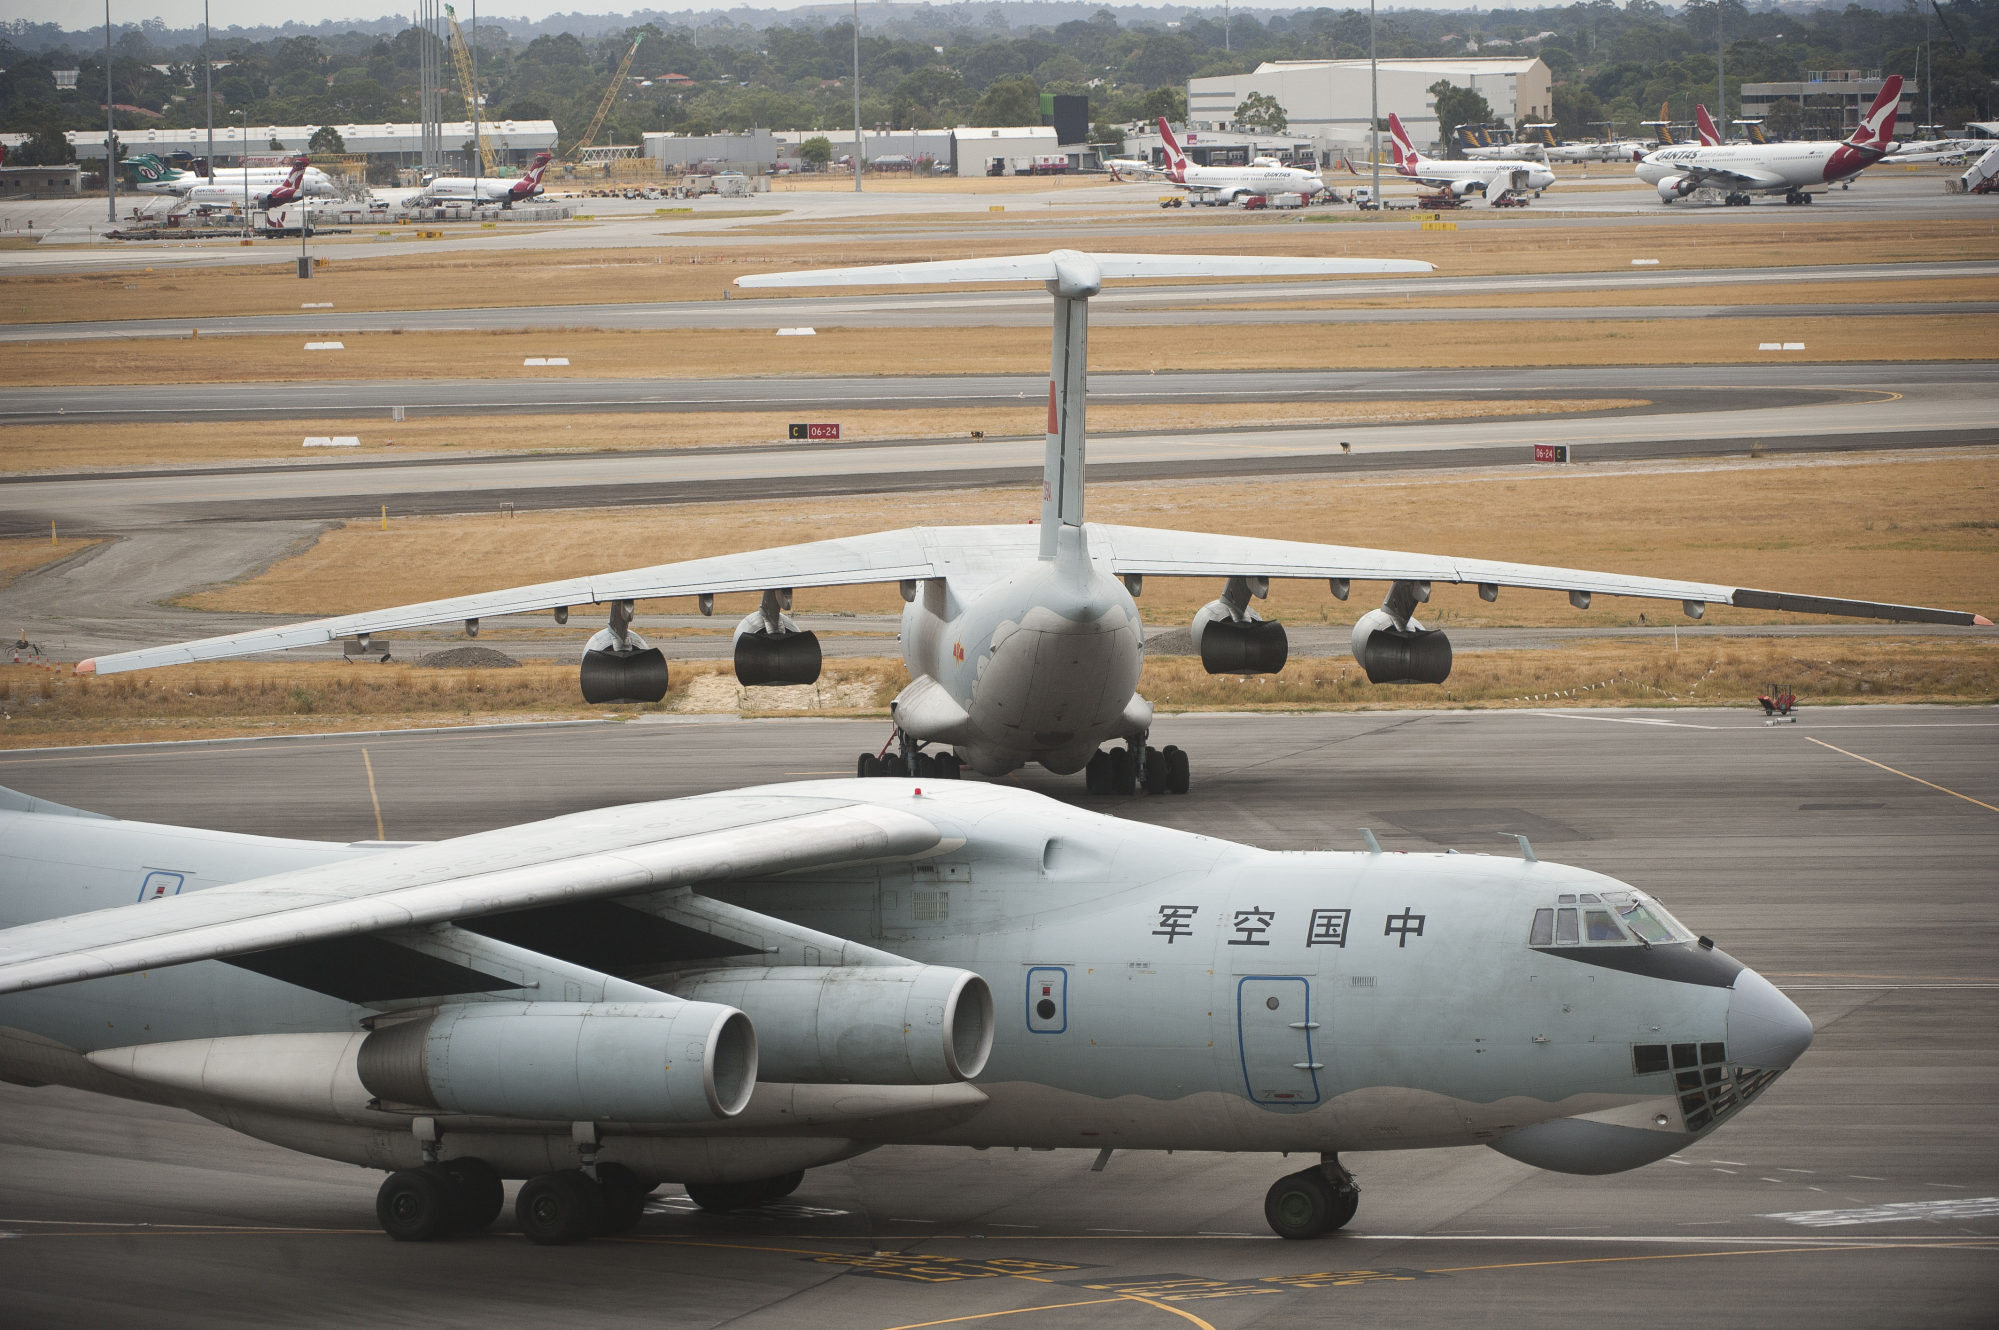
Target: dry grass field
[(714, 352), (362, 278), (39, 709), (1954, 290), (1885, 526), (24, 554)]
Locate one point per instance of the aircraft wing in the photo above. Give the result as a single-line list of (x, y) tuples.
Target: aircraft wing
[(1741, 179), (1143, 550), (885, 556), (608, 852)]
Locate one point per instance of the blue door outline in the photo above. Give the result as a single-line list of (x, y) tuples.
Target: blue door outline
[(1058, 979), (1310, 1064), (161, 882)]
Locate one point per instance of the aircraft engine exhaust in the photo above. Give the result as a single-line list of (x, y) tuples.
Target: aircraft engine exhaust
[(1400, 655), (1230, 645), (623, 669), (1676, 187)]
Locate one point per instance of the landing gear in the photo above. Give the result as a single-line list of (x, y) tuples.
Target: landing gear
[(718, 1198), (1797, 196), (480, 1194), (1312, 1202), (1737, 200), (439, 1199), (559, 1208), (1137, 768), (909, 760), (625, 1196)]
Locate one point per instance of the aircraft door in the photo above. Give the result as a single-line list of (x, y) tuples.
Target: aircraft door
[(1276, 1025), (1047, 999)]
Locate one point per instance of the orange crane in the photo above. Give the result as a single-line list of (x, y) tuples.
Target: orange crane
[(604, 107)]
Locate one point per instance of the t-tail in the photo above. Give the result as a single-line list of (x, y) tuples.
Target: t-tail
[(1406, 158), (1704, 123), (1176, 161), (531, 181)]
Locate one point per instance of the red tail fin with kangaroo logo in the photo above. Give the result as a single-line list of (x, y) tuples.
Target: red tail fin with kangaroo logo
[(1867, 144), (1398, 143), (289, 190), (1176, 161), (530, 182), (1710, 136)]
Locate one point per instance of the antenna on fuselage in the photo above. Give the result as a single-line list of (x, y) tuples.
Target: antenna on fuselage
[(1373, 845), (1072, 278), (1526, 846)]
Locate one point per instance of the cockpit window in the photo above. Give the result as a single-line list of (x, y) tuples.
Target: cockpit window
[(1611, 918), (1643, 923), (1565, 927), (1544, 929), (1602, 928)]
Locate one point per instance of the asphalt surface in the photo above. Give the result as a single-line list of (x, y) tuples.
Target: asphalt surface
[(1858, 1192), (1160, 305)]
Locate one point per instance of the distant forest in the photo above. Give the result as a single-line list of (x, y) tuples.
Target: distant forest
[(931, 67)]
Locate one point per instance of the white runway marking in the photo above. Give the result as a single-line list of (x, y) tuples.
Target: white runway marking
[(1895, 1212)]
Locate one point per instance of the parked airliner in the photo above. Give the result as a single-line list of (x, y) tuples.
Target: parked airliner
[(1795, 170)]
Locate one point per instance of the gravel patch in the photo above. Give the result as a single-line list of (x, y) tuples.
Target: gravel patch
[(468, 658)]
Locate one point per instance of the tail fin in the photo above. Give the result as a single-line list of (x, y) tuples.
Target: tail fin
[(1710, 136), (532, 179), (1665, 122), (1176, 161), (1877, 127), (1398, 143)]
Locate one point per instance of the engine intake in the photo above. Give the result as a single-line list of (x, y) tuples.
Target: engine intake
[(1228, 645), (1400, 655), (788, 655), (1676, 187), (865, 1025), (623, 669), (568, 1061)]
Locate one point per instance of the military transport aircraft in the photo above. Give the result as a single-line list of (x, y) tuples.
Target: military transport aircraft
[(1024, 643), (726, 990)]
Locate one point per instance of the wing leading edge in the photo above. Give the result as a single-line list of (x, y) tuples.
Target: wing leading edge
[(1143, 550)]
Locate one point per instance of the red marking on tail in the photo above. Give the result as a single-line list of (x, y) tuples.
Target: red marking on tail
[(1398, 144), (530, 182), (1176, 161), (1866, 145), (1710, 136), (1054, 426)]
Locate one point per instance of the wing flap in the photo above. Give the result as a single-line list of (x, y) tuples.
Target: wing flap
[(1143, 550), (640, 848)]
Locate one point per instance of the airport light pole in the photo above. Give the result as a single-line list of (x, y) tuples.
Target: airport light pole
[(857, 95), (208, 88), (1373, 106), (110, 124), (243, 165), (478, 144)]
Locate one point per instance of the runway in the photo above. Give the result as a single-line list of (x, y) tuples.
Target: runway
[(1859, 1191), (1901, 405), (1162, 306)]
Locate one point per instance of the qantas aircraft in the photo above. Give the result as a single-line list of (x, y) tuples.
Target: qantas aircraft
[(1794, 170), (1222, 185), (1494, 179), (269, 195), (226, 186), (1024, 643), (486, 189), (726, 990), (1710, 137)]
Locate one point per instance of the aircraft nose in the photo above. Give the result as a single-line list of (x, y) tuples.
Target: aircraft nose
[(1765, 1029)]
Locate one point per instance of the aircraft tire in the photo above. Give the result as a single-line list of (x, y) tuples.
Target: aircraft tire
[(556, 1209), (416, 1205), (1097, 775), (718, 1198), (1300, 1205), (1158, 776), (893, 765), (624, 1199), (480, 1193), (923, 765), (949, 767), (1179, 768), (867, 766), (1346, 1204)]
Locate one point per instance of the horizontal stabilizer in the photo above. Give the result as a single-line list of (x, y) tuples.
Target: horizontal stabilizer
[(1044, 268)]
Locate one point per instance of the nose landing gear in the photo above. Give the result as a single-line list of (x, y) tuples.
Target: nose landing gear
[(1312, 1202), (1136, 768), (909, 759)]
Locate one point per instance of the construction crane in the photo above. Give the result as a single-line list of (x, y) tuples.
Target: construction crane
[(604, 107), (461, 56)]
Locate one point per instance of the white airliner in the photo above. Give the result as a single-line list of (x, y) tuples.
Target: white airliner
[(1225, 184), (1493, 179), (486, 189), (1794, 170), (226, 185), (268, 195), (1024, 643)]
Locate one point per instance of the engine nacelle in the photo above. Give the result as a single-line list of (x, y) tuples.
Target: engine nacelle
[(1252, 645), (1676, 187), (789, 655), (1466, 188), (568, 1061), (865, 1025), (622, 669), (1400, 655)]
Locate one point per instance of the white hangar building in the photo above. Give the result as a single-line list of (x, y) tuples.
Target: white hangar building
[(1327, 100)]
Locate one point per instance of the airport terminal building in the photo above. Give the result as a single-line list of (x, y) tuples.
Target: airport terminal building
[(1327, 101), (514, 142)]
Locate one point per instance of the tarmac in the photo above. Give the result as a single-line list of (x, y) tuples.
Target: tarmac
[(1846, 856)]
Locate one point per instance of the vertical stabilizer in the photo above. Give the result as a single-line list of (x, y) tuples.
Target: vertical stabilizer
[(1076, 279)]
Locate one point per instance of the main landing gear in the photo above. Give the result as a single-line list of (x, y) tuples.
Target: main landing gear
[(1797, 196), (1136, 768), (718, 1198), (1312, 1202), (909, 759)]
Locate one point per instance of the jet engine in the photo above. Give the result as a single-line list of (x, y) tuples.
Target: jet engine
[(1232, 638), (1465, 188), (1392, 654), (864, 1025), (618, 664), (1676, 187), (661, 1061), (771, 648)]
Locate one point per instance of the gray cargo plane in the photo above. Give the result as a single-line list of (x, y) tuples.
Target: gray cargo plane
[(1024, 643), (724, 991)]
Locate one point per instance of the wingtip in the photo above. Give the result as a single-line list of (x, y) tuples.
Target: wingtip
[(87, 666), (1980, 621)]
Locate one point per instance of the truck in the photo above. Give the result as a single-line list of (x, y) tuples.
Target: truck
[(1287, 200)]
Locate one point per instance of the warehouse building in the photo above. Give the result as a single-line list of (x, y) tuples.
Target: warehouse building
[(514, 142), (1327, 101)]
